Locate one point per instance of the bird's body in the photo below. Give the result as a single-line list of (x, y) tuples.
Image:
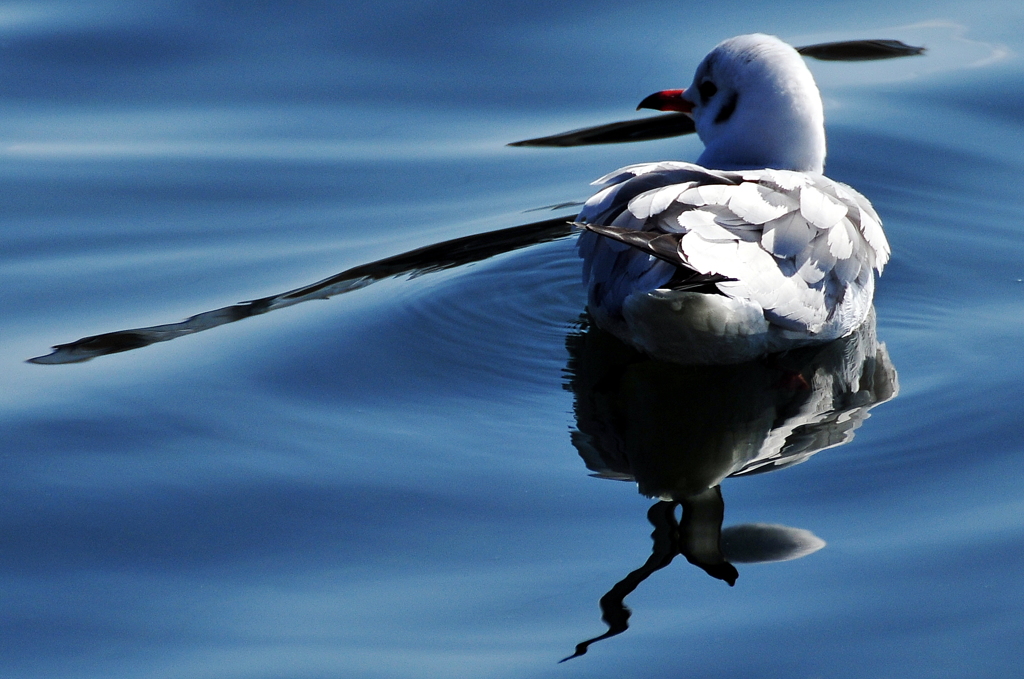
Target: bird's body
[(752, 250)]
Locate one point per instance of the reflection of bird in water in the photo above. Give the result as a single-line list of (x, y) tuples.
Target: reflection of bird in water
[(750, 252), (679, 430)]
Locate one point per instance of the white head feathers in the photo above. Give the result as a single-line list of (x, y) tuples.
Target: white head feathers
[(756, 106)]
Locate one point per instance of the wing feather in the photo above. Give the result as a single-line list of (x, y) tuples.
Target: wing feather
[(839, 243), (703, 222), (787, 236), (820, 209), (757, 204)]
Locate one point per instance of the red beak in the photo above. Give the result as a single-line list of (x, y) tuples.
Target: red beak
[(667, 100)]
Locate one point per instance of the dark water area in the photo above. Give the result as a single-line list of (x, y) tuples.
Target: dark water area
[(405, 480)]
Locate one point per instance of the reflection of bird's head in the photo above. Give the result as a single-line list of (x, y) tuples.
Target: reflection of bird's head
[(763, 542)]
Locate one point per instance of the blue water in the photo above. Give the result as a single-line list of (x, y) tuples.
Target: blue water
[(385, 484)]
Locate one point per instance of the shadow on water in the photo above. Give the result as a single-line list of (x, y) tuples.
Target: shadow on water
[(678, 431), (679, 124), (438, 257)]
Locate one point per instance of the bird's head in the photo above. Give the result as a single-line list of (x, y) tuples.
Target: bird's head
[(755, 105)]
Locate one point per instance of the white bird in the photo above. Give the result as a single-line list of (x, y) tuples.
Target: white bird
[(752, 250)]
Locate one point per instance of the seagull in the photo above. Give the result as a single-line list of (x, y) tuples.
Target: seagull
[(752, 250)]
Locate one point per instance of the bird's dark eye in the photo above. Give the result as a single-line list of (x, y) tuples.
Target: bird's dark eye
[(707, 89)]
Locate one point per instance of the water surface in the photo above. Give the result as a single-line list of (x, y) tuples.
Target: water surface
[(385, 484)]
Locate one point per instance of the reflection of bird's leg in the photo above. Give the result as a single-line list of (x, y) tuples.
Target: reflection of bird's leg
[(700, 532), (614, 612)]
